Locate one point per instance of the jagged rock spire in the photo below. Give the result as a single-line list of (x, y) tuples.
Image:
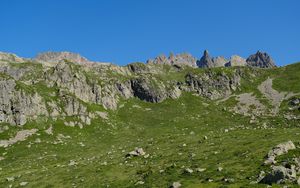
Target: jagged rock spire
[(205, 61)]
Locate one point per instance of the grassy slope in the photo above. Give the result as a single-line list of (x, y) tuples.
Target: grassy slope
[(161, 130)]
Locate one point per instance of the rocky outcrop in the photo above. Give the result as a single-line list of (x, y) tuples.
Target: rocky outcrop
[(64, 84), (150, 92), (54, 57), (284, 172), (236, 61), (279, 174), (205, 61), (260, 59), (278, 150), (178, 59), (9, 57), (219, 61), (212, 85), (17, 105)]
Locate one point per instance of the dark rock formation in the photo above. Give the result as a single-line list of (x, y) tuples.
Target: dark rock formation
[(212, 85), (205, 61), (260, 59)]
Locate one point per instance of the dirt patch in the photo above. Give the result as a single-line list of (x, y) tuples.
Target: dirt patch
[(248, 105), (20, 136)]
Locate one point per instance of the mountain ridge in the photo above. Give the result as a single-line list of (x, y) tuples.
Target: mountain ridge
[(259, 59), (148, 124)]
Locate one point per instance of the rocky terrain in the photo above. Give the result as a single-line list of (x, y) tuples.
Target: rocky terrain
[(176, 121)]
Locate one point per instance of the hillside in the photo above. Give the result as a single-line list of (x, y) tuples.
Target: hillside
[(212, 122)]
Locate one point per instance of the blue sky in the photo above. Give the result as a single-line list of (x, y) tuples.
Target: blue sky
[(124, 31)]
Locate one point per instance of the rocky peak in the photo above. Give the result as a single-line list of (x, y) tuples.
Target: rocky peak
[(219, 61), (10, 57), (54, 57), (236, 60), (205, 61), (178, 59), (260, 59)]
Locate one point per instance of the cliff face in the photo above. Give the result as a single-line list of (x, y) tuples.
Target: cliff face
[(64, 84)]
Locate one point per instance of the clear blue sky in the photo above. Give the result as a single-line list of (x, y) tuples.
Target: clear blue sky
[(124, 31)]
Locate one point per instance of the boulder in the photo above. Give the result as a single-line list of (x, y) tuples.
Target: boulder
[(280, 174), (136, 152), (175, 185), (280, 149)]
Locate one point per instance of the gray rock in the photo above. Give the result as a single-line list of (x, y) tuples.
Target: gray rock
[(145, 90), (9, 57), (54, 57), (211, 85), (278, 150), (136, 152), (219, 61), (17, 105), (260, 59), (175, 185), (236, 61), (178, 59), (205, 61), (280, 174), (295, 102)]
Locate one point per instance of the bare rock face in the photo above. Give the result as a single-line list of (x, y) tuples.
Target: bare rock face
[(145, 90), (70, 84), (219, 61), (9, 57), (236, 61), (17, 105), (178, 59), (205, 61), (211, 85), (260, 59), (54, 57)]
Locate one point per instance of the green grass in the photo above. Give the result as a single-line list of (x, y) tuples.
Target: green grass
[(171, 132), (161, 130)]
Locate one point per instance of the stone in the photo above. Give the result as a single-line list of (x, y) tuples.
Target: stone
[(219, 169), (295, 101), (23, 183), (10, 179), (175, 185), (279, 174), (136, 152), (278, 150), (188, 170), (200, 169), (72, 163)]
